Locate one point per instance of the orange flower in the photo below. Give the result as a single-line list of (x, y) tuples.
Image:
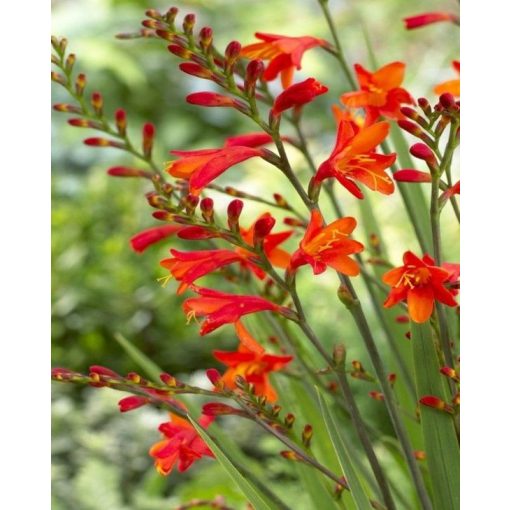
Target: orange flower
[(200, 167), (380, 92), (419, 282), (251, 362), (329, 245), (450, 86), (354, 159), (283, 52), (181, 444), (220, 308)]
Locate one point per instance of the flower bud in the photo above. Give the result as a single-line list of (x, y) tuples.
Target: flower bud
[(179, 51), (211, 99), (58, 78), (345, 296), (289, 455), (262, 228), (436, 403), (402, 319), (123, 171), (195, 69), (410, 127), (422, 151), (410, 113), (219, 409), (69, 63), (191, 203), (188, 24), (168, 379), (148, 133), (376, 395), (447, 100), (206, 37), (410, 175), (66, 108), (306, 435), (155, 200), (214, 376), (207, 208), (425, 106), (84, 123), (289, 420), (339, 354), (97, 103), (132, 402), (103, 371), (121, 121), (154, 14), (234, 212), (254, 71), (279, 200), (392, 379), (450, 372), (96, 141), (420, 455), (170, 16), (232, 53), (80, 83)]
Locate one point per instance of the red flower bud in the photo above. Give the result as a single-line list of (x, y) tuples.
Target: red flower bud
[(188, 23), (168, 379), (409, 175), (103, 371), (123, 171), (410, 113), (410, 127), (58, 78), (206, 37), (421, 20), (103, 142), (191, 202), (179, 51), (306, 436), (402, 319), (450, 372), (232, 53), (132, 402), (84, 123), (141, 241), (121, 121), (422, 151), (214, 376), (97, 102), (219, 409), (210, 99), (234, 210), (297, 95), (262, 228), (254, 71), (436, 403), (376, 395), (425, 106), (171, 14), (66, 108), (447, 100), (195, 69), (148, 133), (80, 83)]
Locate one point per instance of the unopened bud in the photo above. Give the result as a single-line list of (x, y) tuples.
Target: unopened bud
[(154, 14), (279, 200), (70, 60), (410, 127), (148, 133), (58, 78), (234, 210), (294, 222), (306, 435), (345, 296), (376, 395), (214, 376), (207, 208), (188, 24), (191, 203), (97, 103), (170, 16), (232, 53), (121, 121), (132, 402), (155, 200), (179, 51), (420, 455), (392, 379), (103, 142), (219, 409), (402, 319), (289, 420), (123, 171), (262, 228), (206, 37), (80, 83), (254, 70), (84, 123), (195, 69), (422, 151), (410, 113), (66, 108), (425, 106), (134, 377), (168, 379), (289, 455), (447, 100), (436, 403), (450, 372)]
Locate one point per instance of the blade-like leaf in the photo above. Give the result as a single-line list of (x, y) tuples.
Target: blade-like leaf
[(254, 496), (358, 493), (440, 438)]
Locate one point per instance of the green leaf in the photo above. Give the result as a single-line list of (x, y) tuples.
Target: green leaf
[(440, 438), (254, 496), (145, 363), (358, 493)]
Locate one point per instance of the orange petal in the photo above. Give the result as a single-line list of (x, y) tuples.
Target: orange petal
[(420, 301), (389, 76), (369, 138), (247, 340), (344, 265)]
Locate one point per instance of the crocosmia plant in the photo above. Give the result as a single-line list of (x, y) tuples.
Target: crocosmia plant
[(300, 229)]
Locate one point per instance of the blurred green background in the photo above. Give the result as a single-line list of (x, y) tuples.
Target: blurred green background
[(101, 287)]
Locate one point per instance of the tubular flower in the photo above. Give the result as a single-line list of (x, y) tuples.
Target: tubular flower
[(283, 52), (200, 167), (329, 245), (141, 241), (450, 86), (354, 159), (298, 95), (277, 256), (186, 267), (419, 282), (427, 18), (181, 444), (380, 92), (220, 308), (252, 363)]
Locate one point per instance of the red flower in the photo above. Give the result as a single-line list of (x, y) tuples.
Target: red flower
[(186, 267), (380, 92), (451, 86), (419, 282), (248, 140), (411, 175), (220, 308), (141, 241), (354, 159), (297, 95), (283, 52), (181, 444), (329, 245), (200, 167), (427, 18), (251, 362)]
